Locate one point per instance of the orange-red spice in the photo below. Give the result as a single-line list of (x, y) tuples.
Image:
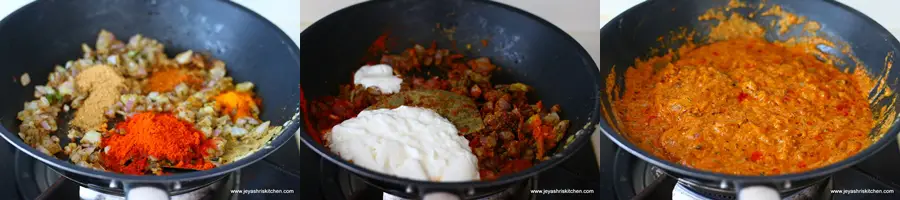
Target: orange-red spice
[(166, 80), (236, 104), (174, 142), (304, 108)]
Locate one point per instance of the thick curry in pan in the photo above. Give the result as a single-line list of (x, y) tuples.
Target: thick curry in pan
[(743, 105)]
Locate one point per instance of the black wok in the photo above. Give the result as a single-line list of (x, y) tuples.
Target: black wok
[(529, 49), (46, 33), (631, 35)]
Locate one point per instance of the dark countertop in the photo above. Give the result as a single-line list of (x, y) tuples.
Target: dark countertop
[(7, 170)]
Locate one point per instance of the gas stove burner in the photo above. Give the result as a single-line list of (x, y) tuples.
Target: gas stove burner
[(340, 184), (638, 179), (634, 178), (213, 191), (34, 179), (354, 186), (643, 175), (686, 190)]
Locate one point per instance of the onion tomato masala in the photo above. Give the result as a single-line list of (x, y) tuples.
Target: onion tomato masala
[(743, 105), (506, 131)]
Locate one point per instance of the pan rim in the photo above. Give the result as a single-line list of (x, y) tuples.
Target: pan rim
[(887, 138), (582, 135), (288, 131)]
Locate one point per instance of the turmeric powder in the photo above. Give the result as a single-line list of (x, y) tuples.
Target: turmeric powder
[(236, 104)]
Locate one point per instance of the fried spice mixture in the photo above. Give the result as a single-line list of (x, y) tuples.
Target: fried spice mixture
[(746, 106)]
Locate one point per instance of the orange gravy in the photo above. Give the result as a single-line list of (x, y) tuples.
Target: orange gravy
[(745, 106)]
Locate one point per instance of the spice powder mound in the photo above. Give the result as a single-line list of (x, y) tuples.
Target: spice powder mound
[(103, 84), (236, 104), (155, 137), (166, 80)]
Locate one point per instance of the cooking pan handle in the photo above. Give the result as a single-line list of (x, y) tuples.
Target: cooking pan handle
[(758, 192), (135, 191), (441, 196)]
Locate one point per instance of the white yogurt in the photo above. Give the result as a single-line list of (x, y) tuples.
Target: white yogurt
[(410, 142), (380, 76)]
